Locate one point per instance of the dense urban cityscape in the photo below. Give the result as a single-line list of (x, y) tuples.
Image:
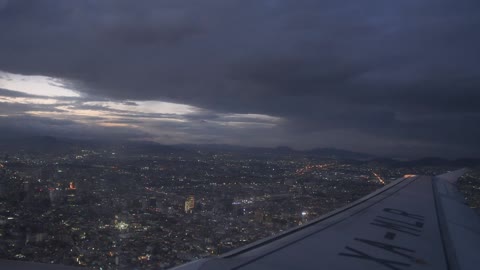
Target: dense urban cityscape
[(111, 208)]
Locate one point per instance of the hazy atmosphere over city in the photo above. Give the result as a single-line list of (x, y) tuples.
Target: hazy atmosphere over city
[(395, 78)]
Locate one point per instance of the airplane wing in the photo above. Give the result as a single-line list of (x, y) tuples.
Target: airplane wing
[(416, 222)]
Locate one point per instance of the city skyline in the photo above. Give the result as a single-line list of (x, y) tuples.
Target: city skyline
[(105, 207)]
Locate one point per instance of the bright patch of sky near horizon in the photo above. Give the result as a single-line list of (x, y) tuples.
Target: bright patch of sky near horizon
[(147, 107), (48, 88), (36, 85), (53, 98)]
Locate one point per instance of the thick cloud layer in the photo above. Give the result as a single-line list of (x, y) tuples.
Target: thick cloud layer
[(365, 75)]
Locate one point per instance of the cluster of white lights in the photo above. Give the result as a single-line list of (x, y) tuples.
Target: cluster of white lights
[(121, 226)]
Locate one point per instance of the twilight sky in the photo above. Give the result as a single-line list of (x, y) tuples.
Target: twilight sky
[(397, 78)]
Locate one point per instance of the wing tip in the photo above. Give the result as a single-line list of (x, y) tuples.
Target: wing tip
[(452, 176)]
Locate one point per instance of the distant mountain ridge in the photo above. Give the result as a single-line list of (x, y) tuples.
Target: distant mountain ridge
[(317, 152), (53, 144), (339, 153)]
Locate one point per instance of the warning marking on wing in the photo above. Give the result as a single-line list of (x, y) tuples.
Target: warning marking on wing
[(396, 223)]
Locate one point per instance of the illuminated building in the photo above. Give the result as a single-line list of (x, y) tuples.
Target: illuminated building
[(71, 186), (121, 225), (304, 217), (72, 189), (189, 204)]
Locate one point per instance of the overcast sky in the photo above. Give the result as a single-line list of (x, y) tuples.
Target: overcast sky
[(397, 78)]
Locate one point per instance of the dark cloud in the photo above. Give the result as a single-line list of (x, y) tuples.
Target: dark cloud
[(388, 72), (23, 125)]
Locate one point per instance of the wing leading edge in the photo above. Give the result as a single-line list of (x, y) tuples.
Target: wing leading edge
[(418, 222)]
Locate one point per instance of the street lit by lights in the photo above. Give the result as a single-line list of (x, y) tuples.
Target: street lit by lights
[(379, 178), (409, 175)]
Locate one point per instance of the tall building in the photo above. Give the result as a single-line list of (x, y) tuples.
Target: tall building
[(71, 193), (189, 204)]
